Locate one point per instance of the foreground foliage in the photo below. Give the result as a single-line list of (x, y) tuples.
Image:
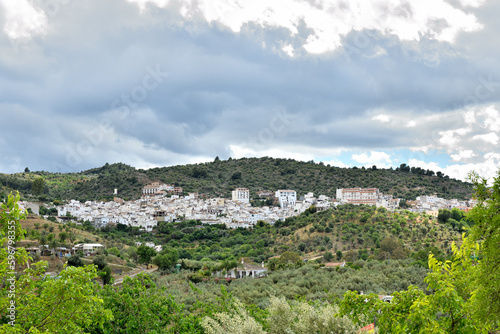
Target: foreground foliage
[(486, 216), (36, 303), (282, 316)]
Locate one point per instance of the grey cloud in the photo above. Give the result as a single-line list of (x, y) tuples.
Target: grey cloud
[(222, 87)]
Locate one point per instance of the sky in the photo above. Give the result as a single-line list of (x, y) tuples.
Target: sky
[(163, 82)]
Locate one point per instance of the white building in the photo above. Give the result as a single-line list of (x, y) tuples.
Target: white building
[(153, 188), (286, 198), (241, 195), (358, 195), (100, 221), (246, 270), (88, 248)]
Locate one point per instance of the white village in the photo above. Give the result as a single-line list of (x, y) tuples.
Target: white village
[(162, 202)]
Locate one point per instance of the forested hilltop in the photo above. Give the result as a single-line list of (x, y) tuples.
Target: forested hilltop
[(219, 177)]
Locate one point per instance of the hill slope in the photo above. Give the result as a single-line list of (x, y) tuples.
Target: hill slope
[(219, 177)]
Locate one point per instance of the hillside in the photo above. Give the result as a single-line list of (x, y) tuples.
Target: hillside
[(357, 232), (219, 177), (74, 234)]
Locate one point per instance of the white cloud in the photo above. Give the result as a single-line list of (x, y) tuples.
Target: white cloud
[(224, 85), (448, 138), (142, 3), (461, 155), (490, 118), (381, 159), (328, 21), (22, 20), (472, 3), (288, 49), (297, 152), (489, 138), (331, 20), (336, 163), (488, 168), (381, 118), (241, 151), (469, 117)]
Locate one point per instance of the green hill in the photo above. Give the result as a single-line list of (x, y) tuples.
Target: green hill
[(219, 177)]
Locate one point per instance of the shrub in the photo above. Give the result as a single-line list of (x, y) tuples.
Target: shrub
[(114, 251), (100, 262), (75, 261), (304, 318)]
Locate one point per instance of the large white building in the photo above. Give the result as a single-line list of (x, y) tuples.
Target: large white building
[(358, 195), (286, 198), (241, 195), (154, 187)]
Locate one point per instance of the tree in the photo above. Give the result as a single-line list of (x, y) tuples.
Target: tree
[(457, 214), (451, 297), (199, 173), (11, 232), (299, 317), (312, 209), (486, 230), (132, 253), (63, 236), (42, 239), (445, 309), (38, 186), (443, 215), (391, 248), (43, 210), (166, 259), (53, 244), (72, 237), (145, 254), (142, 307), (105, 275), (43, 305), (100, 262), (290, 257), (328, 256), (114, 251), (26, 170), (34, 235), (75, 261)]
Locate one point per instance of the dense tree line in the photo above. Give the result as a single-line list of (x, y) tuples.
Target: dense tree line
[(219, 178)]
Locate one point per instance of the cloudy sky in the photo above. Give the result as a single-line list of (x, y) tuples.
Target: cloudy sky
[(164, 82)]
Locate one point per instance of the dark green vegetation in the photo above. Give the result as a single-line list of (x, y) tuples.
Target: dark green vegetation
[(219, 178)]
